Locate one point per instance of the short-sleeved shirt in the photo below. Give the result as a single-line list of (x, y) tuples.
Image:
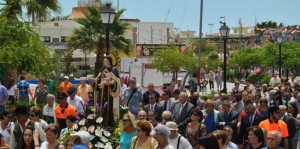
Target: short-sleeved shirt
[(3, 93), (125, 139), (62, 113), (64, 87), (23, 87), (279, 126), (134, 103), (83, 92)]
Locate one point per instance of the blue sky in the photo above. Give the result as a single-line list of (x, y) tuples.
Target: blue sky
[(185, 13)]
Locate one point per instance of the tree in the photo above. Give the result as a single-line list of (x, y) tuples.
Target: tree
[(290, 55), (36, 9), (250, 56), (40, 9), (91, 36), (21, 49), (168, 60)]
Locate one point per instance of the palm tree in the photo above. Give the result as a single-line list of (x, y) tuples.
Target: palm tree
[(35, 8), (91, 36), (40, 9)]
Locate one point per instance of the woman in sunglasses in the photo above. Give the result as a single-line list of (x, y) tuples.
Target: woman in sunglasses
[(263, 107), (128, 132), (195, 129)]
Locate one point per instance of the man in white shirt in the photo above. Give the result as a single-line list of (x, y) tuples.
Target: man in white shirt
[(175, 139), (75, 100)]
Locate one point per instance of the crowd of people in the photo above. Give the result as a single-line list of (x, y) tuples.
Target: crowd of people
[(248, 118)]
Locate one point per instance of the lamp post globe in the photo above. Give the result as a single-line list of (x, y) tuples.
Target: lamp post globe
[(107, 17)]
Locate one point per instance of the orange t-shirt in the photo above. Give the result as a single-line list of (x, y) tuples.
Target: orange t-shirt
[(63, 112), (64, 87), (280, 126)]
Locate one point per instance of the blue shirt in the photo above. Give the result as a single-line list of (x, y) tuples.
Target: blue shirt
[(134, 103), (210, 123), (23, 87), (3, 93), (125, 139)]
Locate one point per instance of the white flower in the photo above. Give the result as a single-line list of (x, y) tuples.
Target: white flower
[(106, 133), (83, 128), (92, 137), (91, 129), (98, 132), (99, 120), (108, 146), (103, 139), (91, 116), (99, 145), (82, 122), (75, 126)]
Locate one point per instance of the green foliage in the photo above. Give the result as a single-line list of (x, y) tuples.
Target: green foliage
[(247, 57), (268, 24), (22, 49), (168, 60), (290, 52)]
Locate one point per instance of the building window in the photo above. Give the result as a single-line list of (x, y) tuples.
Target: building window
[(55, 39), (63, 39), (56, 24), (47, 38)]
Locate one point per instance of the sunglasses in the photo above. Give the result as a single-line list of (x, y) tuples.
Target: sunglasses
[(150, 115), (32, 115), (126, 120), (196, 114), (151, 98), (142, 115)]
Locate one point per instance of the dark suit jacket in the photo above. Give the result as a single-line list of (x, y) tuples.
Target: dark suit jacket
[(230, 120), (184, 118), (289, 121), (245, 124), (158, 108)]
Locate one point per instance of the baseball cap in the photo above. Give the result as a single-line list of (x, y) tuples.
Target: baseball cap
[(66, 77), (179, 79), (172, 125)]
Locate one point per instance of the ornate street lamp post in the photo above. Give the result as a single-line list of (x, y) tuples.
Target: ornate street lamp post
[(224, 31), (279, 40), (107, 17)]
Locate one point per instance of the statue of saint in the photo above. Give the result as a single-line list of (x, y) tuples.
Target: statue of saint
[(108, 86)]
